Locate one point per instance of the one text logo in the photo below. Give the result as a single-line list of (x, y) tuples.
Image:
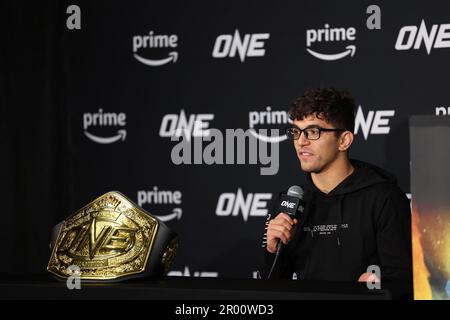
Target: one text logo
[(411, 37), (196, 125), (252, 205), (250, 45), (288, 204), (376, 122)]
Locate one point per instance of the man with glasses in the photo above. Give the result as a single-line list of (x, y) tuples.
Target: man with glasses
[(356, 219)]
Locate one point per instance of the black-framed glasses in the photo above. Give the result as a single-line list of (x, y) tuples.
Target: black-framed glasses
[(311, 133)]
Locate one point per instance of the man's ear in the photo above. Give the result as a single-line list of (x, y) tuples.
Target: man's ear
[(345, 140)]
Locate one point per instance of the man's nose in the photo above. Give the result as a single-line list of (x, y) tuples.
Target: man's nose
[(302, 139)]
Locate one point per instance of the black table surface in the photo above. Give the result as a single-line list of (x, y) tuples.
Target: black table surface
[(43, 287)]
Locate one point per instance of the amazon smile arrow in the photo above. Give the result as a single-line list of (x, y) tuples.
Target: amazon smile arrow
[(330, 57), (173, 56), (121, 135)]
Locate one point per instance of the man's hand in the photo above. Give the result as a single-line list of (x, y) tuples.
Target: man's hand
[(281, 227)]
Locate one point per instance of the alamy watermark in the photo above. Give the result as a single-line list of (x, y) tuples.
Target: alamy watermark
[(374, 279), (74, 281), (235, 147)]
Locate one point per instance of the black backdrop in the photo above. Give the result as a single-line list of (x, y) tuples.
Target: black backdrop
[(55, 81)]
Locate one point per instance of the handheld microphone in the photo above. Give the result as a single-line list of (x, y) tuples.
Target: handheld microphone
[(292, 204)]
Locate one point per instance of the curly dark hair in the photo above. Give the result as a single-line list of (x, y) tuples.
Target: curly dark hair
[(333, 106)]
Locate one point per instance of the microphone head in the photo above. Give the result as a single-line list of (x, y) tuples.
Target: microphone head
[(296, 191), (292, 202)]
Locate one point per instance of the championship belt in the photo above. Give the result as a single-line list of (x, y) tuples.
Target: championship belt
[(110, 239)]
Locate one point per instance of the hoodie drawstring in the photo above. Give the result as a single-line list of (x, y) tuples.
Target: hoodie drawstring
[(339, 221), (313, 201)]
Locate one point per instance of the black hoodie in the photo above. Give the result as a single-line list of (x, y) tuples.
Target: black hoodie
[(364, 221)]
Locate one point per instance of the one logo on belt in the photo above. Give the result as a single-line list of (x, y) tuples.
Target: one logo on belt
[(99, 238)]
